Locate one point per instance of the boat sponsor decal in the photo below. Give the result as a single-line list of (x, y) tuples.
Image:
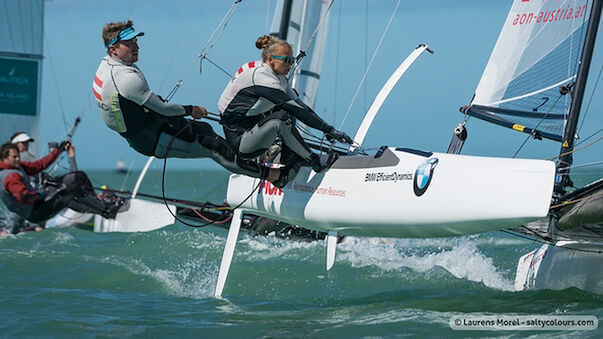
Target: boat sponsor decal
[(267, 188), (385, 176), (19, 86), (423, 176), (548, 15), (518, 127), (330, 191)]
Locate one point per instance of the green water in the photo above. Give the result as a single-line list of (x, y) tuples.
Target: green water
[(75, 283)]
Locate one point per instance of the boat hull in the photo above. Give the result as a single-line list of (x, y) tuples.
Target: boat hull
[(405, 193), (563, 265), (140, 216)]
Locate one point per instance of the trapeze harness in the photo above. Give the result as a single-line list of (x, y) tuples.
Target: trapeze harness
[(129, 107), (257, 106)]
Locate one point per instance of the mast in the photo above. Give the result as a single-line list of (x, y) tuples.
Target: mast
[(565, 155), (284, 27)]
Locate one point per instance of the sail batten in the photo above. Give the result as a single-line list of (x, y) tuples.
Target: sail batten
[(533, 66)]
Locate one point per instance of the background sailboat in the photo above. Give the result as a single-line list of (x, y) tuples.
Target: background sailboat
[(21, 46)]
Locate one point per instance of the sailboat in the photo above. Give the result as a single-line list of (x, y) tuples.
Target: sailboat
[(21, 45), (534, 83), (396, 192)]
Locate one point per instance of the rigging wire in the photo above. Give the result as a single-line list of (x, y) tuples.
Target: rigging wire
[(590, 136), (590, 100), (365, 51), (336, 78), (213, 39), (56, 83), (134, 10), (267, 21), (10, 29), (370, 64), (21, 24), (218, 67), (536, 127), (189, 12), (544, 241), (302, 52), (583, 165)]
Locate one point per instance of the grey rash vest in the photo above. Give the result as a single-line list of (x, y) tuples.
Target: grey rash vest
[(255, 90)]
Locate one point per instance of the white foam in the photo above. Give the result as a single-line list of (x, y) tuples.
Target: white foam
[(269, 247), (463, 260), (194, 278), (63, 238)]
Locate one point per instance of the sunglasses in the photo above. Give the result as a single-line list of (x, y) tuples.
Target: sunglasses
[(285, 58)]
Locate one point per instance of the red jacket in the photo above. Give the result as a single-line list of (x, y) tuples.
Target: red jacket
[(14, 183)]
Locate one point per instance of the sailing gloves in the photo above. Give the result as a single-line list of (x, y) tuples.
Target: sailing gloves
[(336, 135), (63, 146)]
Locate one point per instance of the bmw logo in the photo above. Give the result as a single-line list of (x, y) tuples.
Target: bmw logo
[(423, 176)]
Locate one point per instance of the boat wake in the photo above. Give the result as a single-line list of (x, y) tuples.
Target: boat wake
[(459, 257)]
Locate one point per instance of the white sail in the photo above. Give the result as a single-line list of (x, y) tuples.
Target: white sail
[(21, 43), (538, 51), (303, 19)]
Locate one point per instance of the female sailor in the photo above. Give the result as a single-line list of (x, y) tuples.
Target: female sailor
[(258, 106)]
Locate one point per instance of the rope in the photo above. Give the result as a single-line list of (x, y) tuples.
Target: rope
[(391, 18), (575, 149), (565, 203), (163, 183)]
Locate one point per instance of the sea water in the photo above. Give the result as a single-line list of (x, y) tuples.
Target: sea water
[(71, 282)]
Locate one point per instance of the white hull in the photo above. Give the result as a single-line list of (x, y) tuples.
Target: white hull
[(567, 264), (141, 216), (68, 218), (376, 196)]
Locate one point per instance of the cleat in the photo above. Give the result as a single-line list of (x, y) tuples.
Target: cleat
[(323, 162)]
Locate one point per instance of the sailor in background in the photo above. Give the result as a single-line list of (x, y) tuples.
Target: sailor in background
[(150, 125), (22, 140), (72, 190), (258, 106)]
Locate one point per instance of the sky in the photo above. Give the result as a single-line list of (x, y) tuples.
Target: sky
[(420, 113)]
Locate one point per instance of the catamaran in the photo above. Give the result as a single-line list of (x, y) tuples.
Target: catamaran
[(534, 83), (419, 193)]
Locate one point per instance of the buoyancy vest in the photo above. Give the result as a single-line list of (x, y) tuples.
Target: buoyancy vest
[(129, 107), (251, 93), (8, 199)]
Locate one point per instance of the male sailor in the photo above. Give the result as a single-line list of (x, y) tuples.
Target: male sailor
[(22, 140), (72, 190), (258, 106), (149, 124)]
